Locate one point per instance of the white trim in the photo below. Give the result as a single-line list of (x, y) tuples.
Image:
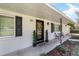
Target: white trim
[(5, 37), (8, 15), (14, 26)]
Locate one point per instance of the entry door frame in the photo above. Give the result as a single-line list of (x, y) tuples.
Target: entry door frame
[(41, 40)]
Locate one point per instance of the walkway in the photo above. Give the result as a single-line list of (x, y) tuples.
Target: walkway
[(36, 51), (74, 37)]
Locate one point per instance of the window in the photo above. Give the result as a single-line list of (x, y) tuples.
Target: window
[(60, 27), (18, 22), (6, 26), (52, 27), (57, 27)]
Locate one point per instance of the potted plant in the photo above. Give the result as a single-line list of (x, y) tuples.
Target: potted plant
[(46, 36), (34, 38)]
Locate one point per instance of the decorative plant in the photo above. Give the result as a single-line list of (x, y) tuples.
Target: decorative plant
[(34, 38), (46, 36)]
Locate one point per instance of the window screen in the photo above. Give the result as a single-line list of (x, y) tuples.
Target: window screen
[(6, 26)]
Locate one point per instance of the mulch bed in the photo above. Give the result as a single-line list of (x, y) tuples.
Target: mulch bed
[(68, 50)]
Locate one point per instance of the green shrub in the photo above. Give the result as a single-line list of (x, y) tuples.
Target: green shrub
[(34, 38), (46, 36)]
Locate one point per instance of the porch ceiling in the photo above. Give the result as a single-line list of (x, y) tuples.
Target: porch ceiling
[(39, 10)]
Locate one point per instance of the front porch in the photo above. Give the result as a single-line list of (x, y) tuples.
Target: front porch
[(41, 48)]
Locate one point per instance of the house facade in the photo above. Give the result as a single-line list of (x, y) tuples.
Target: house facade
[(19, 21)]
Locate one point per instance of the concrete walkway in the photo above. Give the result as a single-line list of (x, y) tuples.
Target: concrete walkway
[(75, 37), (76, 40), (36, 51)]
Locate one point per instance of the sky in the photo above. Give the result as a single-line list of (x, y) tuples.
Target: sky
[(70, 9)]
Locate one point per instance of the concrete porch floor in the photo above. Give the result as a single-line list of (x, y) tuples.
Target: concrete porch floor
[(36, 51)]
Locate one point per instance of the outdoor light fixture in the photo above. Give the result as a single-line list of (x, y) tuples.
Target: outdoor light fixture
[(47, 23), (31, 20)]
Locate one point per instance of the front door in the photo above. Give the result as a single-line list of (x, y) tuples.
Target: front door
[(39, 31)]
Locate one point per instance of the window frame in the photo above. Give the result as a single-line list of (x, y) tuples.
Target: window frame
[(14, 25)]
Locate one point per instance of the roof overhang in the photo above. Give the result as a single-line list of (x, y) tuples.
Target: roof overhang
[(61, 13), (39, 10)]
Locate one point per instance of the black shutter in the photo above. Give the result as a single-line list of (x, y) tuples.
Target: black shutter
[(52, 27), (61, 26), (18, 22)]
